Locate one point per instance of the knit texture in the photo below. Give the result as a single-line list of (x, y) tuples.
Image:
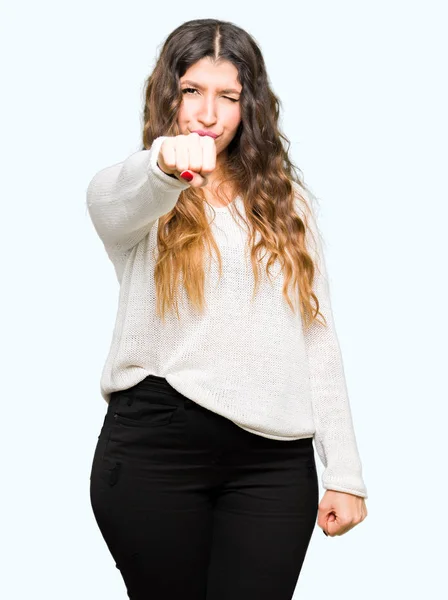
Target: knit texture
[(249, 361)]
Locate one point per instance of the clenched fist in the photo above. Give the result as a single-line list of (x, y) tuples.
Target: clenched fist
[(193, 152)]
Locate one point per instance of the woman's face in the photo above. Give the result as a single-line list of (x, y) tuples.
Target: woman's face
[(211, 101)]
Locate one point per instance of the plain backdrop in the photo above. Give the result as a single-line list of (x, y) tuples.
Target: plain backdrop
[(364, 98)]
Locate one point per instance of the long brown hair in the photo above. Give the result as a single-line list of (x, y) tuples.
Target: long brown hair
[(258, 169)]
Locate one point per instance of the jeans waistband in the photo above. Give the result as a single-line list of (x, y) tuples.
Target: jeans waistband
[(152, 388)]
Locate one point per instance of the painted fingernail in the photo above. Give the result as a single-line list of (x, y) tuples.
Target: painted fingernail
[(187, 175)]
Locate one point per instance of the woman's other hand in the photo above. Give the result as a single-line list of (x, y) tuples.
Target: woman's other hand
[(339, 512)]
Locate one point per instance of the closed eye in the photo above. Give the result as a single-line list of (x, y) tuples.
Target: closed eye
[(195, 90)]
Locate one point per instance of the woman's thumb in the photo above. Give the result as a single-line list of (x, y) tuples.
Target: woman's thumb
[(193, 178)]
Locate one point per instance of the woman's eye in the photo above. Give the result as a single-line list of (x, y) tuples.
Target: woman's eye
[(195, 90)]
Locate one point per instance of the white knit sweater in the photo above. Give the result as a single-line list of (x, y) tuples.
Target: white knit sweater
[(247, 361)]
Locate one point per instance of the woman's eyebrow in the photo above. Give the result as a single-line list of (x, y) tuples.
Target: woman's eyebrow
[(200, 87)]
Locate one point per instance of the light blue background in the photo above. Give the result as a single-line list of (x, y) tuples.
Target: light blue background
[(364, 102)]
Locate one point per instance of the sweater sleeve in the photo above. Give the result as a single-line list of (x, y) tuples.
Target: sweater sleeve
[(335, 438), (125, 199)]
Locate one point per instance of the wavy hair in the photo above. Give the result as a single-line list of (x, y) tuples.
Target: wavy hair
[(257, 167)]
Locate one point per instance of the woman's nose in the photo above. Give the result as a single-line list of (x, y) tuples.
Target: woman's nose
[(208, 112)]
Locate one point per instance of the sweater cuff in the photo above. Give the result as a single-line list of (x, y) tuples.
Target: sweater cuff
[(341, 473), (362, 492)]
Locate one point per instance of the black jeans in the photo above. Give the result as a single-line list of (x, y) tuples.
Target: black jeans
[(192, 506)]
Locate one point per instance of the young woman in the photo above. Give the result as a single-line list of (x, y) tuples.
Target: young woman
[(224, 363)]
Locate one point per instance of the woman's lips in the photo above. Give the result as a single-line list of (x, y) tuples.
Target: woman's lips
[(209, 133)]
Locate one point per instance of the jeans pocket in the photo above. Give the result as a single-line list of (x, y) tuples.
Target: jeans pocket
[(101, 446), (151, 414)]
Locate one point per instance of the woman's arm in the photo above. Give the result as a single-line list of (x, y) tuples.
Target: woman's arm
[(125, 199), (335, 436)]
